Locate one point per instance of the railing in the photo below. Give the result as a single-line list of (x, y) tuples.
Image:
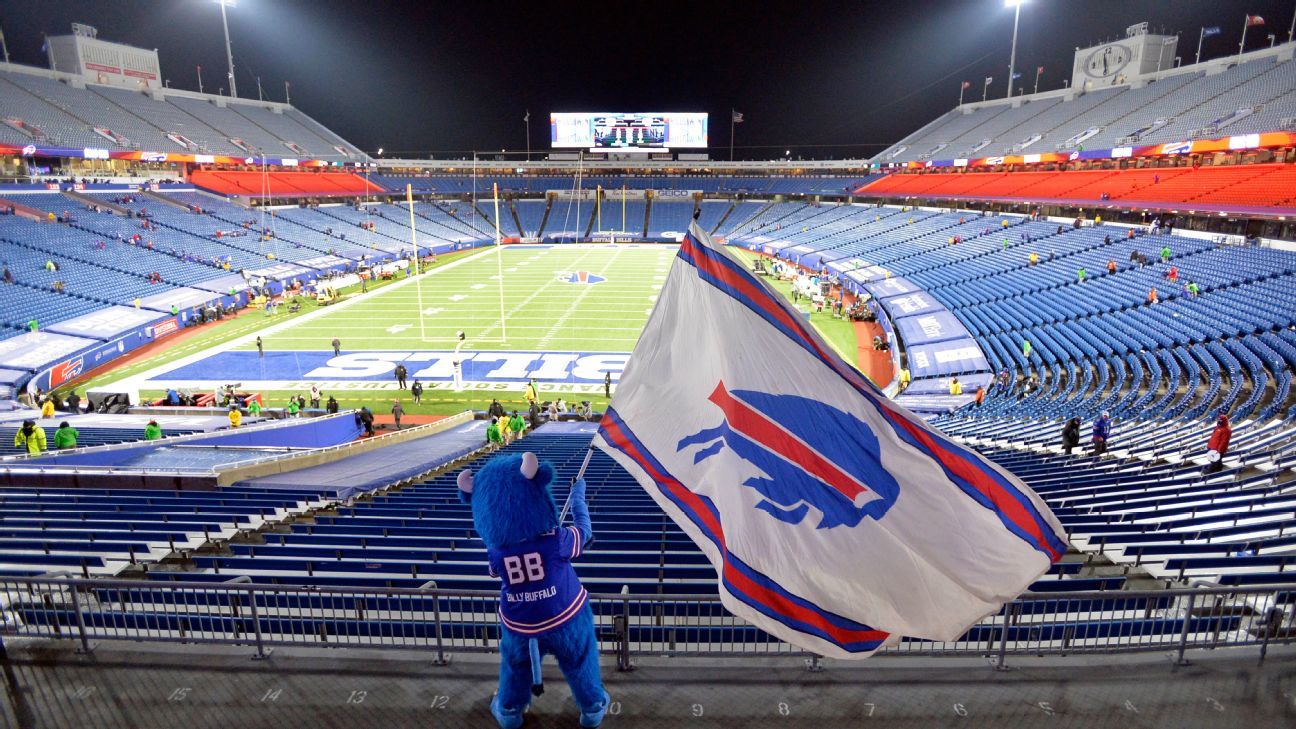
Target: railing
[(442, 621)]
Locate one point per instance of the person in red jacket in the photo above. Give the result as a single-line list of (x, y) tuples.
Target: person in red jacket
[(1218, 444)]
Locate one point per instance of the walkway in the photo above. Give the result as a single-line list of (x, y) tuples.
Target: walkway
[(209, 687)]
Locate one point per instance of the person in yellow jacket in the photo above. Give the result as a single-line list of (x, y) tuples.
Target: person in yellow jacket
[(30, 437), (47, 408), (235, 416), (956, 387), (530, 393), (905, 378)]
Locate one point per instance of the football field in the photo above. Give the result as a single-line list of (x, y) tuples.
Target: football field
[(562, 315), (593, 298)]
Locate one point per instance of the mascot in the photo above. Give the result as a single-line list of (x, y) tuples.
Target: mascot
[(543, 607)]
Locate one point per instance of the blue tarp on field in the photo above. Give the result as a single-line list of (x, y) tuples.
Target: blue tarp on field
[(382, 467)]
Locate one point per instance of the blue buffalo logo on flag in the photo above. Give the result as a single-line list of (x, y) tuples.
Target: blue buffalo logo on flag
[(581, 277), (809, 467), (835, 519)]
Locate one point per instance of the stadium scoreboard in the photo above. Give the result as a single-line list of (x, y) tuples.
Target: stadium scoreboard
[(628, 131)]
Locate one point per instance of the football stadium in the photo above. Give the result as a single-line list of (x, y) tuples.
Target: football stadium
[(977, 413)]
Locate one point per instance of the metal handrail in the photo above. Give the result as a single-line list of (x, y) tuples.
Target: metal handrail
[(218, 612)]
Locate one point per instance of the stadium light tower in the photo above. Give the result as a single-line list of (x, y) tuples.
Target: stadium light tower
[(229, 54), (1012, 57)]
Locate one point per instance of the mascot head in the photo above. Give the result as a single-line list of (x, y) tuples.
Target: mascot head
[(510, 499)]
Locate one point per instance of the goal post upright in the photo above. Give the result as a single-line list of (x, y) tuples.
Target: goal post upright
[(409, 200), (499, 264)]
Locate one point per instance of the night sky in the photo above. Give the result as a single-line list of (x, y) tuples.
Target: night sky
[(423, 78)]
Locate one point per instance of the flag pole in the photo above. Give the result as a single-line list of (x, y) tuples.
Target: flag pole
[(1200, 37), (962, 88), (1245, 24), (731, 133), (1038, 71), (562, 517)]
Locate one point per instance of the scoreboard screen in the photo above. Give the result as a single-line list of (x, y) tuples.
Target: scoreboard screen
[(610, 131)]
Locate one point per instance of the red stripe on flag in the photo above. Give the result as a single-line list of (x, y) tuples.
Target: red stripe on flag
[(748, 421), (704, 261), (982, 482)]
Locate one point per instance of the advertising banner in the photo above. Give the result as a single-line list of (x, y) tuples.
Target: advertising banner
[(946, 358), (107, 323), (918, 302), (937, 326), (888, 287)]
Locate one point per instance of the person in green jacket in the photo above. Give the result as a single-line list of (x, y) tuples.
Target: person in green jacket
[(152, 431), (517, 425), (493, 436), (254, 408), (1165, 254), (30, 437), (293, 407), (65, 436)]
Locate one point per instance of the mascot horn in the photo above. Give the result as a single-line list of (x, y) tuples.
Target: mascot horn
[(543, 607)]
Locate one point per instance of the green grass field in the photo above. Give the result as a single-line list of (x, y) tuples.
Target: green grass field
[(539, 312)]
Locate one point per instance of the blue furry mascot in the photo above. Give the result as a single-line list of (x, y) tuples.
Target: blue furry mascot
[(543, 607)]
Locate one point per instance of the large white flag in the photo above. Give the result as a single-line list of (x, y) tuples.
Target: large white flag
[(836, 520)]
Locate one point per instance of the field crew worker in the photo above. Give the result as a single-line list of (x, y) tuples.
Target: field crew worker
[(30, 437), (530, 393), (65, 436), (152, 431), (235, 416)]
